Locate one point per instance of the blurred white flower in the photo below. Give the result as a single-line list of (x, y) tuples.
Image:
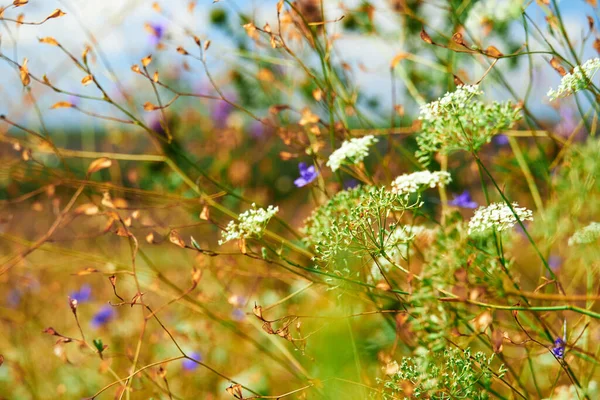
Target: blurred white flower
[(417, 181), (498, 216), (352, 151), (577, 80), (251, 223), (586, 235)]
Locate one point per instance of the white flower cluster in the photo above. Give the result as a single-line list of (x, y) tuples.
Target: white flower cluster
[(586, 235), (353, 150), (417, 181), (498, 11), (497, 216), (577, 80), (460, 121), (451, 100), (251, 223)]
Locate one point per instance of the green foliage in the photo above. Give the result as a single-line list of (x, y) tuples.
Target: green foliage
[(357, 223), (443, 375), (458, 121)]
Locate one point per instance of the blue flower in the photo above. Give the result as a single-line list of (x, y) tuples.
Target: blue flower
[(351, 184), (463, 200), (157, 31), (83, 294), (238, 314), (190, 365), (559, 348), (221, 111), (307, 175), (103, 316), (501, 140), (554, 262)]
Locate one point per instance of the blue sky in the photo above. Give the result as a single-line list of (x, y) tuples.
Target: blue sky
[(118, 25)]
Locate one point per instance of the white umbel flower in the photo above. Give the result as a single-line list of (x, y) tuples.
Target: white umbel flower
[(586, 235), (251, 223), (352, 151), (417, 181), (577, 80), (497, 216), (450, 101)]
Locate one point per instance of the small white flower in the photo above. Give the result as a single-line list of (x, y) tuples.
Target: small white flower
[(352, 151), (586, 235), (450, 101), (577, 80), (417, 181), (251, 223), (497, 216), (459, 120)]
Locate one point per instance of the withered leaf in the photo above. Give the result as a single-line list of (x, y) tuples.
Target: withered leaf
[(557, 67), (196, 276), (62, 104), (277, 108), (19, 3), (150, 107), (482, 321), (205, 214), (146, 60), (87, 209), (99, 164), (55, 14), (48, 40), (51, 331), (425, 37), (24, 73), (308, 117), (497, 338), (86, 271), (458, 81), (493, 52), (257, 310), (458, 38), (176, 239), (87, 80)]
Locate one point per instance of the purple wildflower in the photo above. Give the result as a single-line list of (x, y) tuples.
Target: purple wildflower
[(554, 262), (83, 294), (238, 314), (74, 100), (501, 140), (257, 130), (157, 31), (351, 183), (221, 112), (559, 348), (463, 200), (14, 298), (307, 175), (568, 123), (103, 316), (190, 365)]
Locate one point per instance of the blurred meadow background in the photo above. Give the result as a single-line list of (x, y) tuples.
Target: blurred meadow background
[(310, 199)]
